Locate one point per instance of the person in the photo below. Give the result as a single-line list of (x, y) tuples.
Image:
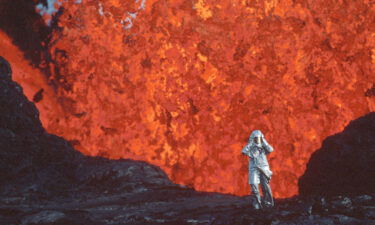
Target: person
[(259, 171)]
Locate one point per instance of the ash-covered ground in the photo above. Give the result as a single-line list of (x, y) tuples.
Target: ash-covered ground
[(43, 180)]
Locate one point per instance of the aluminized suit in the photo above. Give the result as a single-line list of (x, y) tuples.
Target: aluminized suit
[(259, 170)]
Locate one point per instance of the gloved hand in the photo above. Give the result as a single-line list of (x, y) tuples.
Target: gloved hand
[(264, 141)]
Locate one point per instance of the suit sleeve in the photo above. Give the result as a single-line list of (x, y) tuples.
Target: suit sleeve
[(246, 150), (267, 146)]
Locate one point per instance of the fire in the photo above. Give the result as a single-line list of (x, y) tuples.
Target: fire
[(181, 84)]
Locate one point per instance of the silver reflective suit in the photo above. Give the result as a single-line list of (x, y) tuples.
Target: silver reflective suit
[(259, 170)]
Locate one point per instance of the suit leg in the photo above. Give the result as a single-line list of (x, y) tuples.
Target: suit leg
[(256, 195), (266, 189)]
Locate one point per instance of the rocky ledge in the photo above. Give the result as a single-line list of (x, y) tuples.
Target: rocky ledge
[(43, 180)]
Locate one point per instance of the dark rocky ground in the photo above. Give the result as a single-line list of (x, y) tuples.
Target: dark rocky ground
[(43, 180)]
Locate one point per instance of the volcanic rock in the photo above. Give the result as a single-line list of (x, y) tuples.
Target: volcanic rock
[(5, 69), (44, 217), (33, 160), (362, 199), (345, 162)]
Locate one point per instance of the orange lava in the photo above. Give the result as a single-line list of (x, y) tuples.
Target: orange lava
[(31, 80), (181, 84)]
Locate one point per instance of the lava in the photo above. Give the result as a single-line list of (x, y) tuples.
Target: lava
[(31, 79), (183, 84)]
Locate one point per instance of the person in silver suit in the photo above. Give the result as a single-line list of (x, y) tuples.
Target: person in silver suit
[(257, 149)]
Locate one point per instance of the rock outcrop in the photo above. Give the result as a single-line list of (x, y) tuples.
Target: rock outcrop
[(33, 160), (345, 164)]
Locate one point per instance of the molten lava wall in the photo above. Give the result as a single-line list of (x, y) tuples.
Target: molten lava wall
[(181, 84)]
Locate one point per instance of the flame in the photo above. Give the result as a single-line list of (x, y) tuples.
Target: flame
[(183, 84)]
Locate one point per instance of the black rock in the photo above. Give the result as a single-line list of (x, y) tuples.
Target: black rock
[(342, 219), (345, 162), (33, 161), (341, 205), (369, 212), (363, 199), (44, 217), (5, 70)]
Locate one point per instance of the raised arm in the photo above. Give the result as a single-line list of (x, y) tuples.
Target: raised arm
[(246, 150), (267, 146)]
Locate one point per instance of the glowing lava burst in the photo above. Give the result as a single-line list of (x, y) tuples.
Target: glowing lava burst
[(183, 84)]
